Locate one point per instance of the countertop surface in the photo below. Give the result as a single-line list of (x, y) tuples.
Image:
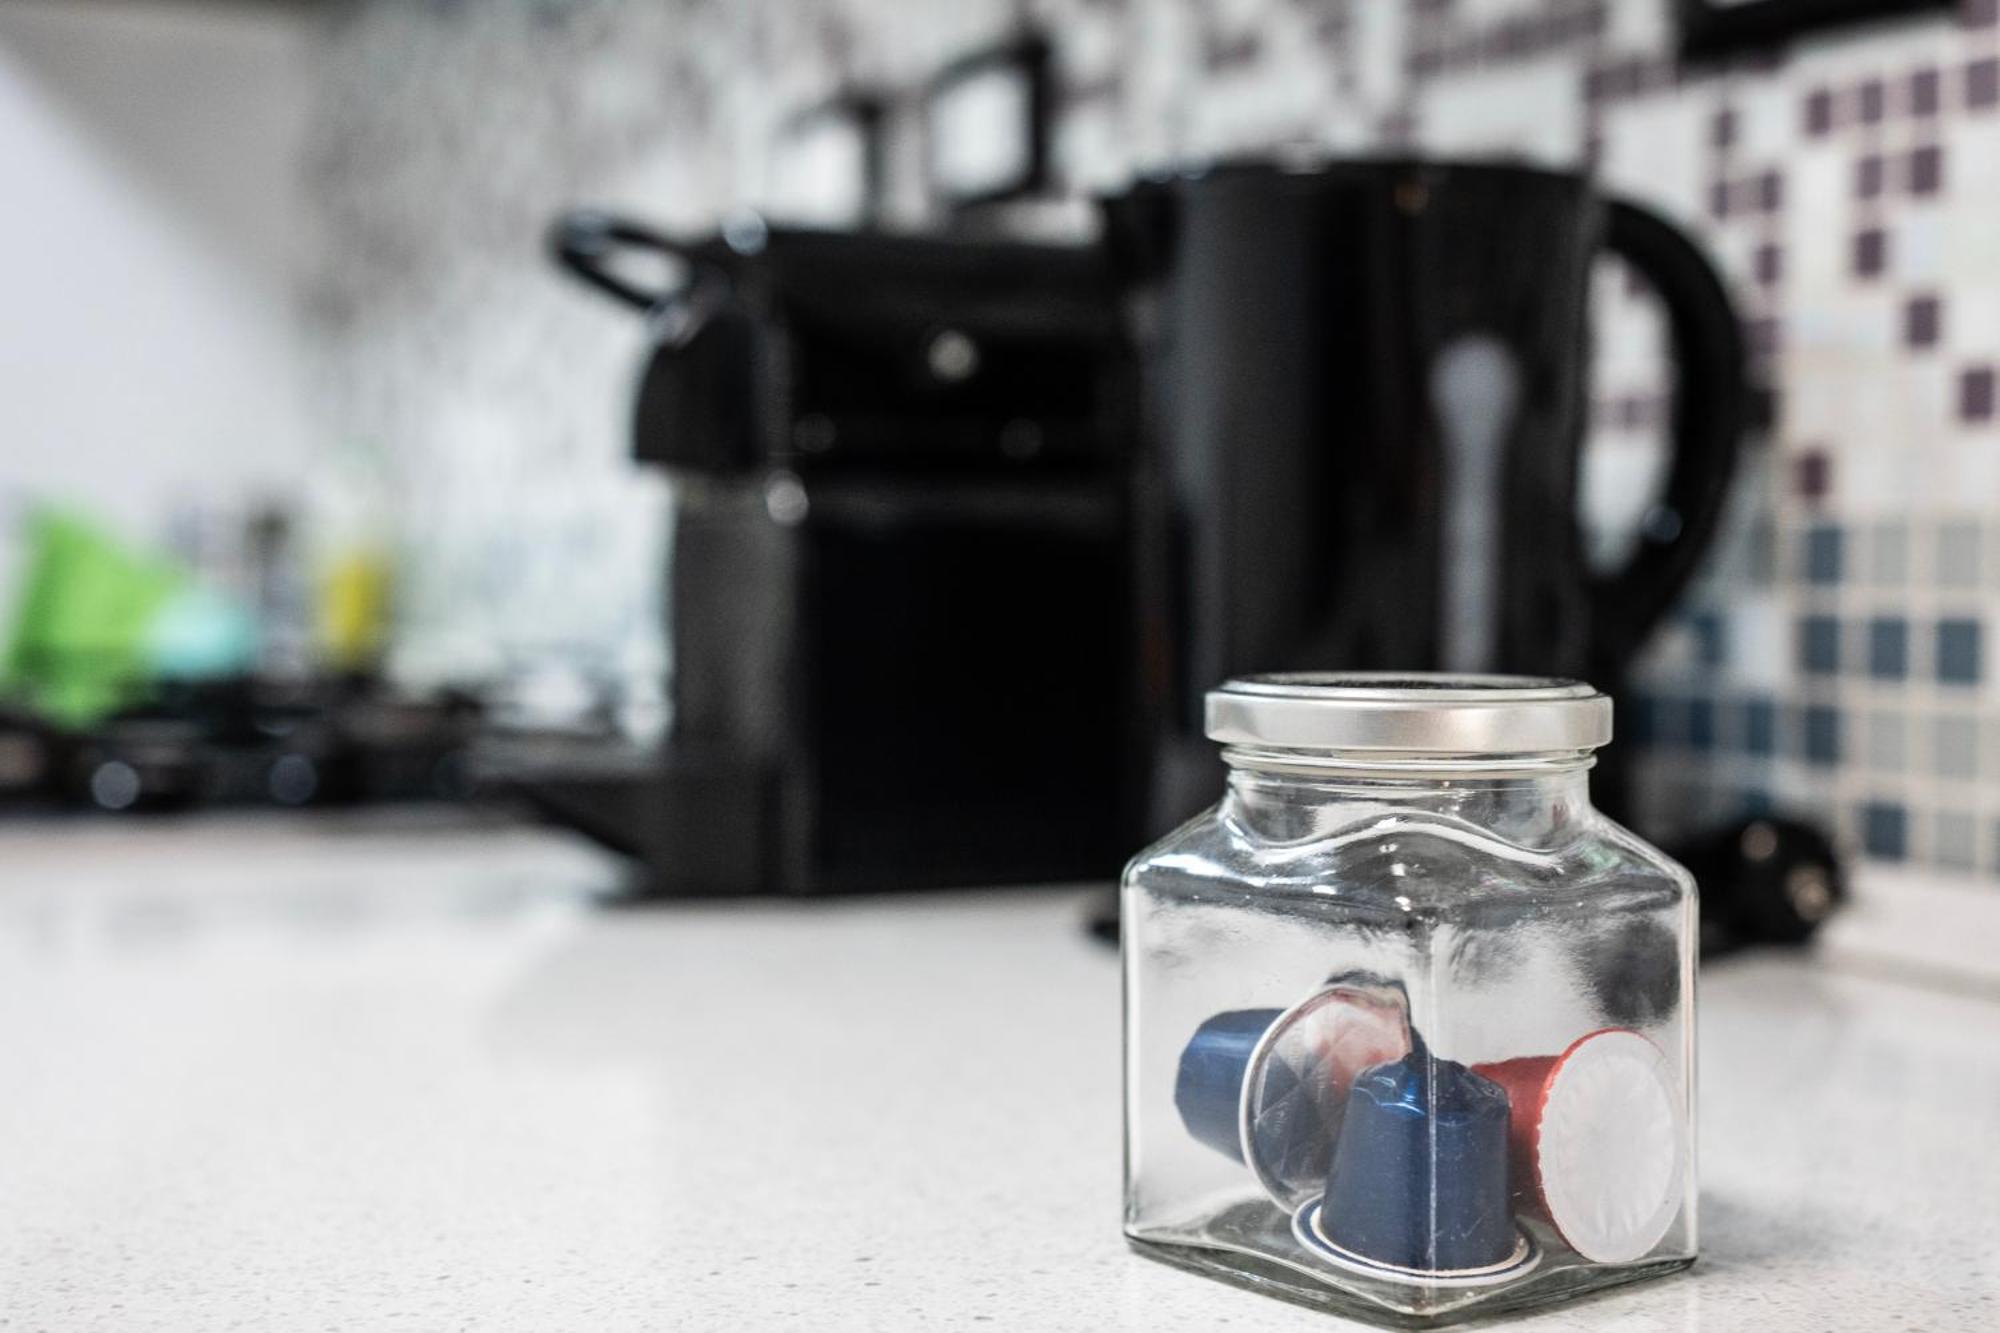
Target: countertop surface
[(285, 1074)]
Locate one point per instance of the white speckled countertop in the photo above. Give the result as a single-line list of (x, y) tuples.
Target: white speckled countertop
[(295, 1075)]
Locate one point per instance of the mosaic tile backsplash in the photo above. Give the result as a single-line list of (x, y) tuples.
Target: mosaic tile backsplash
[(1835, 658)]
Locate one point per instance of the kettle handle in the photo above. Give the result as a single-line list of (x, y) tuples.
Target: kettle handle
[(1709, 403), (584, 241)]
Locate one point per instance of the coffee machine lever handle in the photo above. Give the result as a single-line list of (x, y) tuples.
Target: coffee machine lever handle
[(586, 241), (1708, 415)]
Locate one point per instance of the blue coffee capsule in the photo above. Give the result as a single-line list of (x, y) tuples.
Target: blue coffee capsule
[(1269, 1088), (1419, 1187), (1295, 1092), (1208, 1090)]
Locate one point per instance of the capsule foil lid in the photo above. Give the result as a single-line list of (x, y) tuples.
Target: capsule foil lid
[(1597, 1142)]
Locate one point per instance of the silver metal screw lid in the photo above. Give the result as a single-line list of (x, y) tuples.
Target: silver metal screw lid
[(1409, 713)]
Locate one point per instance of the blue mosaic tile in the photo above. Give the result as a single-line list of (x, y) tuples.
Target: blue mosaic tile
[(1753, 802), (1710, 648), (1701, 724), (1671, 721), (1759, 727), (1819, 645), (1760, 551), (1885, 831), (1888, 647), (1824, 552), (1958, 652), (1819, 734), (1639, 720)]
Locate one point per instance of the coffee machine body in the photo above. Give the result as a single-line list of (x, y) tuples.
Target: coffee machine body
[(966, 529), (902, 586)]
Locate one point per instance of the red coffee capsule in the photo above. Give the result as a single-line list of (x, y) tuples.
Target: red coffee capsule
[(1595, 1135)]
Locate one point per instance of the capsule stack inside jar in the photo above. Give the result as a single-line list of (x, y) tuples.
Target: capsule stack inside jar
[(1397, 1164)]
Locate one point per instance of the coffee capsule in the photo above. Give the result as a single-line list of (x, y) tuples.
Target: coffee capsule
[(1268, 1087), (1208, 1089), (1596, 1141), (1295, 1091), (1418, 1190)]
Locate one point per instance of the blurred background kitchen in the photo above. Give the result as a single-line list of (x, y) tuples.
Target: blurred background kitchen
[(463, 461), (320, 475)]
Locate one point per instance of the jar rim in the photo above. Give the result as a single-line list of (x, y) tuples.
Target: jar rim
[(1411, 713)]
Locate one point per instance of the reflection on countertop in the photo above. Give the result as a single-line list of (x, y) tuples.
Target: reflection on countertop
[(311, 1073)]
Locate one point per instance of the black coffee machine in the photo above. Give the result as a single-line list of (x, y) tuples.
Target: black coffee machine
[(902, 598), (966, 529)]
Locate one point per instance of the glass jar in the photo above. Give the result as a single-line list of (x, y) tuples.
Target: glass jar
[(1409, 1025)]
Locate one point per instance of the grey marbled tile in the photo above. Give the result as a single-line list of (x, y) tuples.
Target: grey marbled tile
[(1889, 553), (1955, 745), (1959, 563), (1955, 840), (1886, 738)]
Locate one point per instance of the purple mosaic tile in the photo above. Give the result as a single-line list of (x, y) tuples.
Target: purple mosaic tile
[(1819, 111), (1722, 129), (1771, 192), (1222, 52), (1641, 410), (1982, 83), (1923, 321), (1870, 100), (1871, 252), (1622, 79), (1718, 199), (1084, 93), (1927, 170), (1979, 13), (1926, 92), (1812, 474), (1769, 264), (1868, 176), (1765, 336), (1975, 394)]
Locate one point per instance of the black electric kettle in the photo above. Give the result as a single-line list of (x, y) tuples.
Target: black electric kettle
[(1367, 383)]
